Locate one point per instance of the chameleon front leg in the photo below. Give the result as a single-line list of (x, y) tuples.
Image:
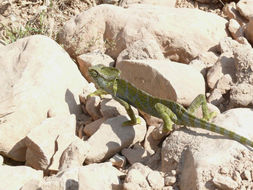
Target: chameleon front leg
[(200, 100), (98, 92), (167, 116), (130, 113)]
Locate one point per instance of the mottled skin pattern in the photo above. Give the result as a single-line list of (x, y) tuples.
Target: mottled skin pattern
[(108, 82)]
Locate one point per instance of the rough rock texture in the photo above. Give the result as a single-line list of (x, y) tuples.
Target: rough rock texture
[(111, 137), (245, 7), (174, 29), (165, 80), (36, 75), (99, 176), (169, 3), (198, 154), (47, 141), (249, 31), (14, 177)]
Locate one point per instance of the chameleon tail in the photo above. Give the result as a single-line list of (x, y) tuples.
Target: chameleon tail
[(200, 123)]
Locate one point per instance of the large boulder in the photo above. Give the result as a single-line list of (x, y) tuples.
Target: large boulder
[(36, 76)]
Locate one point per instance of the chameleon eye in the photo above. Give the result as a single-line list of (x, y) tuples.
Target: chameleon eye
[(94, 73)]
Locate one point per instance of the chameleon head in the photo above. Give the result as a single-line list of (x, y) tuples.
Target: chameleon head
[(104, 76)]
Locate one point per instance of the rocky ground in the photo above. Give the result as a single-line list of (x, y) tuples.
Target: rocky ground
[(54, 136)]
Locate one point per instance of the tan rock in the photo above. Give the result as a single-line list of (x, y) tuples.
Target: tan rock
[(142, 49), (162, 75), (1, 160), (67, 178), (118, 161), (91, 59), (249, 31), (92, 106), (235, 29), (46, 142), (224, 65), (205, 152), (137, 177), (224, 182), (111, 137), (32, 184), (241, 95), (150, 144), (14, 177), (135, 154), (172, 28), (168, 3), (92, 127), (231, 12), (155, 180), (36, 76), (75, 154), (99, 176), (245, 7)]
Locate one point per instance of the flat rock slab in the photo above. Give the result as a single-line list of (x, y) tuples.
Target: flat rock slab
[(181, 33), (36, 75)]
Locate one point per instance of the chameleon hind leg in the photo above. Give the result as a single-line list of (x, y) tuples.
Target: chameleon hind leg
[(168, 117), (200, 100), (134, 120)]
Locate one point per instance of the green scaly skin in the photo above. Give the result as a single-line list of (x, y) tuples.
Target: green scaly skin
[(108, 81)]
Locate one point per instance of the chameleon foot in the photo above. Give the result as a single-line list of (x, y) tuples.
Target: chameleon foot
[(210, 116), (130, 122)]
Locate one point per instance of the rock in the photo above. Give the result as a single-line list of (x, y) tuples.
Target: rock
[(14, 177), (235, 29), (92, 127), (137, 177), (67, 179), (241, 95), (142, 49), (99, 176), (74, 155), (118, 161), (151, 144), (170, 180), (224, 65), (93, 107), (243, 56), (249, 31), (196, 153), (112, 108), (91, 59), (231, 12), (172, 28), (155, 180), (111, 1), (165, 80), (46, 142), (224, 182), (245, 7), (170, 3), (151, 120), (112, 137), (135, 154), (36, 76), (32, 184), (246, 175), (1, 160)]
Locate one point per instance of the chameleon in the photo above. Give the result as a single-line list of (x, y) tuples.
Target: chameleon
[(108, 81)]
